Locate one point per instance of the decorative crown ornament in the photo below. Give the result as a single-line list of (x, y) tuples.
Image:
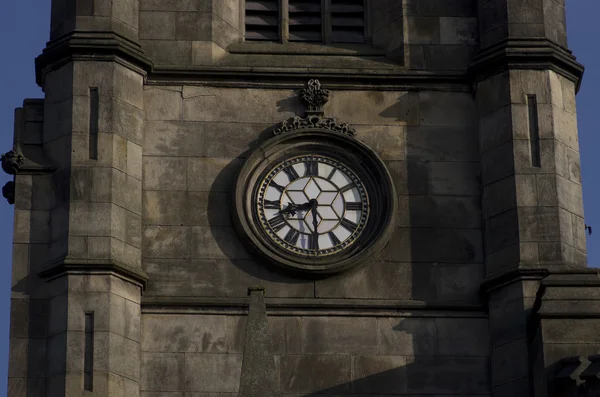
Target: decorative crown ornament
[(12, 161), (315, 97)]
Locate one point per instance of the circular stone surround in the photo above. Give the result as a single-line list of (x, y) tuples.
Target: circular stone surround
[(358, 160)]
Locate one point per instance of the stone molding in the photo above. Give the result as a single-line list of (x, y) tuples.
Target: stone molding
[(314, 306), (95, 267), (91, 46), (536, 54)]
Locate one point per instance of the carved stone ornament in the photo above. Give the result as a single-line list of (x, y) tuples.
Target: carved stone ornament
[(315, 122), (8, 192), (12, 161), (315, 97)]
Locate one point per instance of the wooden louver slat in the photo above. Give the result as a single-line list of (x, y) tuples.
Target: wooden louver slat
[(305, 20), (262, 20), (347, 21)]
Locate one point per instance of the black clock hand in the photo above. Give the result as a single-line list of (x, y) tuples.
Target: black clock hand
[(292, 208), (313, 208)]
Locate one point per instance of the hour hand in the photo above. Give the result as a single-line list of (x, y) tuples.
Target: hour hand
[(292, 208)]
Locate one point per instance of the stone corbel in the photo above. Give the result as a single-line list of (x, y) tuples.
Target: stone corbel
[(15, 162)]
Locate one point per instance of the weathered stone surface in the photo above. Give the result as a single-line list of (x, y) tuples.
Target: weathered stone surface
[(339, 335), (162, 104), (441, 143), (379, 374), (162, 372), (164, 173), (375, 107), (212, 372), (170, 207), (509, 361), (184, 333), (212, 174), (167, 242), (326, 373), (427, 374)]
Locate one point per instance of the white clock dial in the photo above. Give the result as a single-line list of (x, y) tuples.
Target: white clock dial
[(312, 205)]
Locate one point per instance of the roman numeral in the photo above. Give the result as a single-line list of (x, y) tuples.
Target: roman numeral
[(347, 187), (313, 242), (334, 240), (277, 223), (312, 168), (353, 206), (291, 173), (274, 205), (292, 236), (277, 186), (351, 226)]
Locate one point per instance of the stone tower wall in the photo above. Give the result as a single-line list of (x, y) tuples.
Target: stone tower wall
[(130, 280)]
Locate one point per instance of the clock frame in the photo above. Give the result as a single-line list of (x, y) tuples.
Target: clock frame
[(321, 137)]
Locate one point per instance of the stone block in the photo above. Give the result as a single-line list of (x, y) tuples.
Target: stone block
[(517, 388), (327, 373), (406, 336), (175, 5), (502, 231), (221, 278), (525, 12), (129, 85), (162, 372), (509, 321), (423, 30), (569, 330), (493, 93), (444, 212), (496, 127), (134, 160), (565, 127), (203, 139), (18, 358), (530, 82), (376, 107), (186, 208), (184, 334), (449, 178), (228, 10), (166, 242), (510, 361), (164, 173), (448, 57), (206, 53), (501, 196), (379, 374), (458, 282), (286, 334), (162, 104), (89, 219), (127, 121), (223, 34), (217, 243), (192, 26), (498, 163), (538, 224), (569, 195), (462, 337), (435, 245), (458, 30), (437, 143), (339, 335), (208, 174), (438, 375), (157, 25), (389, 142), (239, 105), (127, 191), (212, 372), (447, 109), (379, 280), (168, 53)]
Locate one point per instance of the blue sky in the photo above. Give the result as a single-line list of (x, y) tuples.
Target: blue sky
[(24, 24)]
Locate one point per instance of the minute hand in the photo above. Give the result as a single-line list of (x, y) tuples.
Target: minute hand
[(292, 208)]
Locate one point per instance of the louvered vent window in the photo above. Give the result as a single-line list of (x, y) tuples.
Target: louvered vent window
[(305, 20), (321, 21), (262, 20), (348, 21)]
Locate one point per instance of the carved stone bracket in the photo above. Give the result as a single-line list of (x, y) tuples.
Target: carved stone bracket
[(12, 161), (8, 192), (315, 122), (315, 97)]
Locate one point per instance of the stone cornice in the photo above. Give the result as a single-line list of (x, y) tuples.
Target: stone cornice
[(97, 46), (89, 267), (537, 54), (522, 273)]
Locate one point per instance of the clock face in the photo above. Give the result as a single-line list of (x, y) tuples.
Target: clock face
[(312, 205)]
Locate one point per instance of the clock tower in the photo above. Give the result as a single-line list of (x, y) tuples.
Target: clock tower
[(396, 182)]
